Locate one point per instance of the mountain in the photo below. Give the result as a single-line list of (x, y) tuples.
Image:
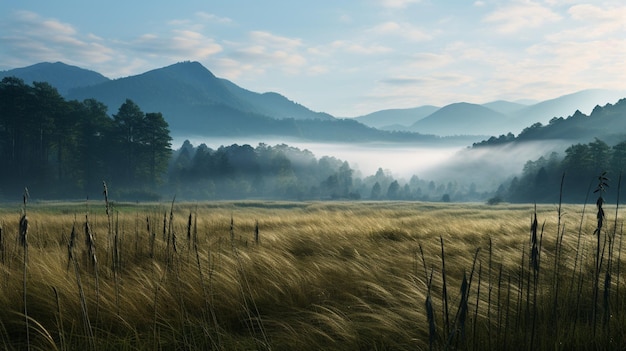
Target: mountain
[(186, 86), (505, 107), (273, 104), (396, 119), (197, 103), (607, 123), (60, 75), (193, 100), (494, 118), (461, 119), (562, 106)]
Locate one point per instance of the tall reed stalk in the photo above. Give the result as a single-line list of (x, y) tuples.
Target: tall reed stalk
[(23, 239), (600, 216), (446, 315), (2, 247)]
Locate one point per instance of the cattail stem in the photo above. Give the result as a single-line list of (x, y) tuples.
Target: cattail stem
[(24, 244)]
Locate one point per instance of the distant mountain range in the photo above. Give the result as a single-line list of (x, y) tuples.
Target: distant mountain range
[(494, 118), (196, 102), (396, 119), (607, 123)]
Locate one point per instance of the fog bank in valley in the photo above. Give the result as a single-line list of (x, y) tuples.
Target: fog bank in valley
[(488, 167), (485, 167)]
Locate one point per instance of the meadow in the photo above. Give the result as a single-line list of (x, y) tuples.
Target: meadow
[(310, 276)]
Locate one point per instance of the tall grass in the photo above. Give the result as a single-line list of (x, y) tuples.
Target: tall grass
[(334, 276)]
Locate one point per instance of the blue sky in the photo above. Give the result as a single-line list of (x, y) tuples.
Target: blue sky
[(343, 57)]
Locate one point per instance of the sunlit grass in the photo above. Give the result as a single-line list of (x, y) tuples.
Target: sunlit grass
[(324, 275)]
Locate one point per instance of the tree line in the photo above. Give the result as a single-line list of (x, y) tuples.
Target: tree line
[(579, 168), (66, 149), (286, 172)]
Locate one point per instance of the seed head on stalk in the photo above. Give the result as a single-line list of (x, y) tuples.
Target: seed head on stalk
[(601, 188)]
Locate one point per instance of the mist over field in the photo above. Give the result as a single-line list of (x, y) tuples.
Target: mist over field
[(402, 160), (486, 167)]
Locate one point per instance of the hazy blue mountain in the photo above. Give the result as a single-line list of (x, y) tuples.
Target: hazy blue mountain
[(607, 123), (196, 102), (192, 99), (562, 106), (182, 85), (273, 104), (180, 88), (461, 119), (396, 119), (505, 107), (61, 76), (503, 117)]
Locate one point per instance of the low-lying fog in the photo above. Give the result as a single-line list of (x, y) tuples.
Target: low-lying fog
[(487, 167)]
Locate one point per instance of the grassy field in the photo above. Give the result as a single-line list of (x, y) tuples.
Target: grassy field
[(311, 276)]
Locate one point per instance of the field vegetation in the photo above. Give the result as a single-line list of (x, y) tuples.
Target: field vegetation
[(310, 276)]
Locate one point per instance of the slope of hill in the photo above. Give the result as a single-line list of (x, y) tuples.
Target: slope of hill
[(183, 84), (562, 106), (461, 119), (607, 123), (396, 118), (61, 76), (505, 107), (192, 99), (274, 104)]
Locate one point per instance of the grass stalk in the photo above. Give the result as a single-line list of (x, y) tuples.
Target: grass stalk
[(446, 315), (490, 288), (476, 307), (23, 238), (430, 315)]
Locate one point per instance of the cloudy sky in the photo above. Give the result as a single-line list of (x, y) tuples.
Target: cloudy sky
[(343, 57)]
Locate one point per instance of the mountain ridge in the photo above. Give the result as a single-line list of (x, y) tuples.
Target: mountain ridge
[(193, 99), (461, 118), (62, 76), (516, 115)]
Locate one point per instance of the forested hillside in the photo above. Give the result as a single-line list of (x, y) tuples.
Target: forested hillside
[(607, 123), (65, 149), (580, 168)]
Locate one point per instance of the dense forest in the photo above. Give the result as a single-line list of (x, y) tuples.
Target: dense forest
[(66, 149), (286, 172), (598, 145), (579, 169)]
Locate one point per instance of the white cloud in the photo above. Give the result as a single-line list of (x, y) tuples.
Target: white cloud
[(267, 52), (404, 30), (520, 16), (275, 41), (181, 45), (33, 38), (593, 22), (356, 48), (213, 18), (397, 4)]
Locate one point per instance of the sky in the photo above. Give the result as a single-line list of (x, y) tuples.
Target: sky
[(343, 57)]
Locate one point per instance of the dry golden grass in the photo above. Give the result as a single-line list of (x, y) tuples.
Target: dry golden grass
[(325, 275)]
